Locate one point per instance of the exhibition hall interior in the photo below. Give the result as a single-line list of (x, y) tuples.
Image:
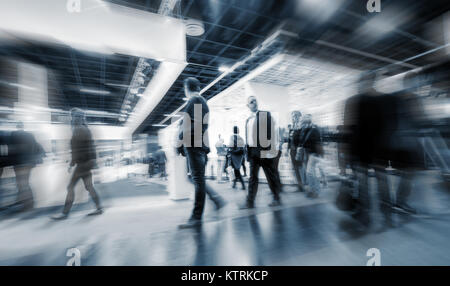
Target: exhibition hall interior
[(224, 132)]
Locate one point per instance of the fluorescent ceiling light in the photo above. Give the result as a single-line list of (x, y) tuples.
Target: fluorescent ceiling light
[(117, 84), (224, 68), (94, 91), (159, 125)]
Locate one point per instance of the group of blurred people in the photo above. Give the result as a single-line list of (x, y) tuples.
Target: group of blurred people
[(260, 148), (379, 131), (24, 153)]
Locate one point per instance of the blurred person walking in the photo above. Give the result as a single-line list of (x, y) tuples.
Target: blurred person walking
[(293, 144), (26, 153), (161, 159), (310, 145), (236, 153), (221, 158), (262, 151), (368, 119), (151, 165), (83, 157), (193, 137), (407, 152)]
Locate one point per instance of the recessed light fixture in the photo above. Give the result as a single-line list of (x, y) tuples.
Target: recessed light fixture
[(194, 28), (159, 125)]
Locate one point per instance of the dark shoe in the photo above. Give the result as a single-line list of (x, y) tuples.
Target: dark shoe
[(27, 207), (404, 209), (192, 222), (362, 217), (220, 205), (312, 195), (60, 217), (247, 206), (96, 212), (275, 203)]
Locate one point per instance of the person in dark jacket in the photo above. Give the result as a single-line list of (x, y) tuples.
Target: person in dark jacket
[(161, 159), (236, 154), (83, 156), (406, 151), (26, 153), (193, 137), (310, 141), (262, 151), (368, 119)]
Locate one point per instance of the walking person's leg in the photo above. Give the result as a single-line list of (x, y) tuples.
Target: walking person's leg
[(323, 177), (28, 202), (363, 208), (302, 170), (197, 162), (18, 171), (296, 167), (70, 194), (87, 180), (235, 178), (213, 195), (404, 191), (311, 175), (273, 178), (238, 176), (219, 168), (384, 195), (252, 182)]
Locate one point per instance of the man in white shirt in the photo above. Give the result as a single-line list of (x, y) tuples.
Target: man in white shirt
[(262, 150)]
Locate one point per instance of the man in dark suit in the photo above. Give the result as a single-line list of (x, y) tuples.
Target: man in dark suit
[(262, 151), (83, 156), (193, 137)]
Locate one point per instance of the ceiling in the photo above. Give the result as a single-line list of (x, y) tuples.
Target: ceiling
[(237, 33)]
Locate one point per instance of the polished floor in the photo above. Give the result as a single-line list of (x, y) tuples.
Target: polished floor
[(139, 227)]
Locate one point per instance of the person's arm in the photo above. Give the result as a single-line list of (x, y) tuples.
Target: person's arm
[(73, 149), (185, 127)]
